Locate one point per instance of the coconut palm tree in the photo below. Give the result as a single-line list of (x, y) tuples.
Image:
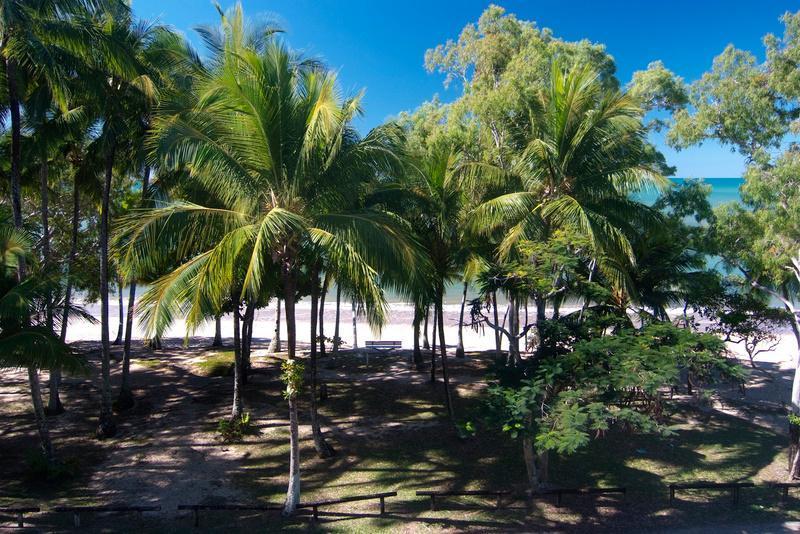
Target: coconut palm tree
[(263, 130), (575, 160), (26, 340)]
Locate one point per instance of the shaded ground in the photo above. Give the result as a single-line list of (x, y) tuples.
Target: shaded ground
[(386, 422)]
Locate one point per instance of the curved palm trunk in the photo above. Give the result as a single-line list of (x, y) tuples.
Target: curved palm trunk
[(237, 409), (513, 327), (121, 308), (433, 347), (16, 137), (324, 450), (419, 361), (125, 399), (38, 412), (425, 343), (336, 338), (325, 285), (275, 342), (293, 489), (247, 341), (498, 347), (460, 346), (54, 405), (217, 332), (355, 330), (442, 347), (106, 427)]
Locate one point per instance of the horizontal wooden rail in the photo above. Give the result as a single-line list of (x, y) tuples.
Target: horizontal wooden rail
[(315, 505), (19, 511), (560, 492), (77, 510), (784, 487), (465, 493), (735, 487)]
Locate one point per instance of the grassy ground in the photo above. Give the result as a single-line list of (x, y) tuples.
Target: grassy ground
[(388, 427)]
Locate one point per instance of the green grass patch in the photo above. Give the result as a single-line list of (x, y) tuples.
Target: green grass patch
[(216, 364)]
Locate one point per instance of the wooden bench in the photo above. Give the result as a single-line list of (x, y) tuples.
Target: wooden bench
[(315, 505), (784, 487), (196, 508), (19, 511), (77, 510), (381, 346), (735, 487), (560, 492), (480, 493)]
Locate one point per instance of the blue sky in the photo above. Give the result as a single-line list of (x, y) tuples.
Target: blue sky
[(379, 45)]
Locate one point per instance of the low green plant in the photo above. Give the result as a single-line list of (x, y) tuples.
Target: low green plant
[(235, 429)]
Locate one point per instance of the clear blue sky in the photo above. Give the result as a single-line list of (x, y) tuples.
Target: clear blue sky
[(379, 45)]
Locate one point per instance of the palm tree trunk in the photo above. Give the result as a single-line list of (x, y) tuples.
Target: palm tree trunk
[(498, 348), (293, 489), (275, 342), (106, 427), (16, 137), (460, 346), (513, 328), (54, 405), (425, 343), (323, 449), (433, 347), (325, 285), (442, 347), (528, 452), (419, 362), (247, 340), (38, 412), (121, 307), (43, 186), (125, 398), (217, 332), (237, 409), (355, 330), (336, 338)]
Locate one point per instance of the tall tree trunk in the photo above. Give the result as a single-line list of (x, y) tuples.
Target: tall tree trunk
[(54, 405), (460, 346), (443, 348), (238, 408), (125, 400), (498, 340), (433, 347), (106, 427), (336, 339), (355, 329), (38, 412), (293, 489), (275, 342), (217, 331), (247, 340), (513, 327), (324, 450), (325, 285), (121, 308), (16, 137), (419, 361), (44, 191), (529, 453), (426, 345)]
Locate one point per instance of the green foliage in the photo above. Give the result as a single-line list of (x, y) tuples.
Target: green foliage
[(292, 372), (234, 430), (606, 382)]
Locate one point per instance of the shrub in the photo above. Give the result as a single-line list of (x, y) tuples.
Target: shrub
[(234, 430)]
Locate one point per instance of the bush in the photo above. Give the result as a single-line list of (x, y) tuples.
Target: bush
[(217, 364), (39, 469), (235, 430)]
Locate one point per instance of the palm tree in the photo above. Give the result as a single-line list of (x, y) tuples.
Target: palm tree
[(263, 130), (574, 160), (25, 340)]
